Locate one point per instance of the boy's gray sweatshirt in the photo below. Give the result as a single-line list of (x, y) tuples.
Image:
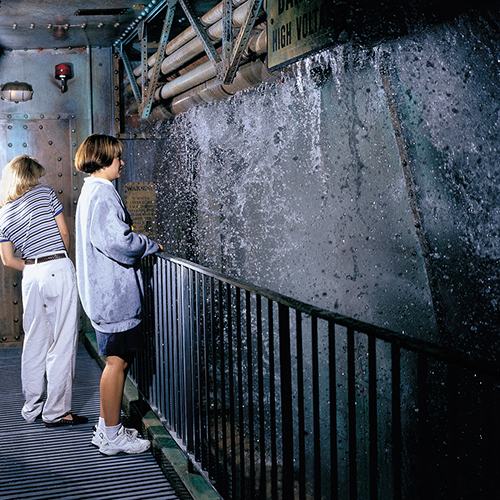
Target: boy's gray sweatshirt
[(107, 258)]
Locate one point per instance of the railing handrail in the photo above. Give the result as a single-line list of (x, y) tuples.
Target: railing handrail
[(431, 349)]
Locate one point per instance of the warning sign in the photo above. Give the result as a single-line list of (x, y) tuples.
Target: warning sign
[(296, 28), (140, 199)]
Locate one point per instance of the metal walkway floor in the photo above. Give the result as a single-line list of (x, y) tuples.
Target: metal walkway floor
[(38, 463)]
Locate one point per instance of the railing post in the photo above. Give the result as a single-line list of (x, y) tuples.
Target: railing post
[(286, 401)]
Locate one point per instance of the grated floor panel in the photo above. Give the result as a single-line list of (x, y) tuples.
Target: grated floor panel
[(38, 463)]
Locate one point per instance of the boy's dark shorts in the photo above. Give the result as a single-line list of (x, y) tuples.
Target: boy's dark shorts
[(122, 344)]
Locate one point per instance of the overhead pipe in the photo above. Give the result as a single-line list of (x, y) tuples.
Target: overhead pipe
[(200, 84), (247, 77), (257, 45), (194, 46), (208, 19), (206, 71)]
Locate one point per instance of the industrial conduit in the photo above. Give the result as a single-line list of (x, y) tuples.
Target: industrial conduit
[(186, 45), (200, 84)]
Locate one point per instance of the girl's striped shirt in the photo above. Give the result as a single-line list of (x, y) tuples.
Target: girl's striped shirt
[(29, 223)]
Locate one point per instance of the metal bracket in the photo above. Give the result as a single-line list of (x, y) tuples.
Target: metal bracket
[(227, 33), (160, 55), (200, 32), (130, 74), (143, 38), (241, 41)]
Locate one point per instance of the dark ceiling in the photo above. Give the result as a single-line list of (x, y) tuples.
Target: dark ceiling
[(45, 24)]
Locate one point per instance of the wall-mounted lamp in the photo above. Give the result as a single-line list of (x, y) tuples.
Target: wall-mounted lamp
[(64, 73), (16, 91)]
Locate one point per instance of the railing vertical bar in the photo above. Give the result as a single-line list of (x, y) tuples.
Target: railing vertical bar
[(173, 345), (230, 364), (372, 417), (207, 461), (491, 442), (157, 334), (351, 403), (169, 346), (272, 402), (332, 365), (145, 380), (164, 340), (315, 404), (241, 398), (199, 364), (188, 357), (301, 421), (222, 330), (180, 421), (422, 426), (214, 387), (251, 428), (396, 420), (453, 431), (286, 401), (260, 385)]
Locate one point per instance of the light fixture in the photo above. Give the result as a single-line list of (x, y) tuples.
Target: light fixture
[(64, 72), (16, 91)]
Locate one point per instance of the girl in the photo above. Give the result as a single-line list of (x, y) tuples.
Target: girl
[(109, 281), (31, 221)]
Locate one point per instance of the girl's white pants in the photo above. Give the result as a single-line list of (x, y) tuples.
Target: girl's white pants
[(50, 323)]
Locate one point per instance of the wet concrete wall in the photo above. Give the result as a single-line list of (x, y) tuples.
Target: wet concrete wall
[(364, 181)]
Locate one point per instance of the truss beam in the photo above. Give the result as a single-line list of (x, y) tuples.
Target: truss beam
[(241, 42), (200, 32), (160, 55)]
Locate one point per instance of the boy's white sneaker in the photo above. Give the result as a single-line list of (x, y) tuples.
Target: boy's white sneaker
[(100, 432), (126, 441)]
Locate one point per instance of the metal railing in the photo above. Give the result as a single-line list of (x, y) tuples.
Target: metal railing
[(273, 398)]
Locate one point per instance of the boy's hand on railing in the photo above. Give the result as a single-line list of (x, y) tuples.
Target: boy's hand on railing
[(161, 247)]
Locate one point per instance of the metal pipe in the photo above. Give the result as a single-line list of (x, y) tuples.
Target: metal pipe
[(248, 76), (200, 85), (208, 19), (194, 47)]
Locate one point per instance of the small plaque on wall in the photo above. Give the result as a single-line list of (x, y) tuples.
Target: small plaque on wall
[(140, 199), (296, 28)]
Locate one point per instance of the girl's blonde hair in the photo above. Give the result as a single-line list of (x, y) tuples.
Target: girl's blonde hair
[(19, 176), (96, 152)]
